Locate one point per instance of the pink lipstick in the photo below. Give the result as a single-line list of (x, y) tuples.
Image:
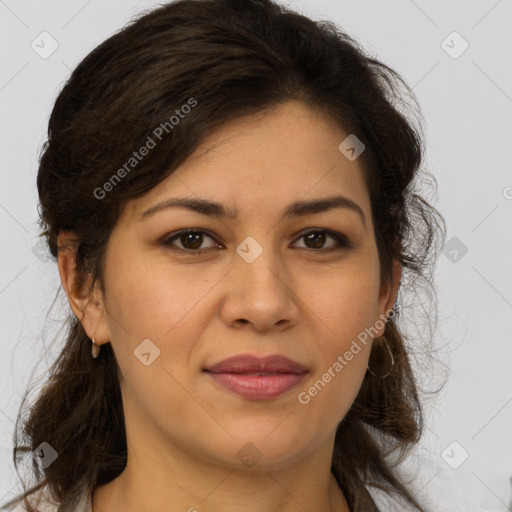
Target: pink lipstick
[(257, 378)]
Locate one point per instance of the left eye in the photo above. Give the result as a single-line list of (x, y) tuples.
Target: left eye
[(318, 236), (191, 240)]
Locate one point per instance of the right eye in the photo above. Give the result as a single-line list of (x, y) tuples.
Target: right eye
[(190, 239)]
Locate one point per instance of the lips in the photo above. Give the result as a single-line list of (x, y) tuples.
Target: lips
[(254, 365), (257, 378)]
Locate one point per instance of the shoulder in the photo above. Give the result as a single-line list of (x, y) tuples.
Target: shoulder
[(43, 501), (40, 507)]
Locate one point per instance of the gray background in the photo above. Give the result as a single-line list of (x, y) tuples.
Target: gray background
[(466, 101)]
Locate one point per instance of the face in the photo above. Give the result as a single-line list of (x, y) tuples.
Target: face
[(303, 285)]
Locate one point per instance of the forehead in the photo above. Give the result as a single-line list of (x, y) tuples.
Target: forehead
[(261, 163)]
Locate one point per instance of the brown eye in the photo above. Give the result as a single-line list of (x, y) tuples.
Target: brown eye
[(315, 239), (194, 239), (190, 241)]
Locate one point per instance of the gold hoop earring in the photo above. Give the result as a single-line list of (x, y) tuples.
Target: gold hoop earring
[(381, 361), (95, 349)]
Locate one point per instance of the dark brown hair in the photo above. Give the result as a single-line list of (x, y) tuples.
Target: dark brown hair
[(225, 59)]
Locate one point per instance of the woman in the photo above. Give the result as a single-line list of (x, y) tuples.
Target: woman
[(228, 188)]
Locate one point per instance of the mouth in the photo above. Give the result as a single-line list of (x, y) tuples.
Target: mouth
[(249, 364), (257, 378)]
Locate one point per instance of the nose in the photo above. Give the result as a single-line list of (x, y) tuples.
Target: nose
[(260, 294)]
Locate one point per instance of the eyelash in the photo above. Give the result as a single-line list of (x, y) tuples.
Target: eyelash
[(167, 241)]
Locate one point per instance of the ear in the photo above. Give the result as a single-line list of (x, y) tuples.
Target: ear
[(88, 306), (388, 293)]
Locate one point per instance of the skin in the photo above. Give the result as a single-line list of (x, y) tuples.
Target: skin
[(296, 299)]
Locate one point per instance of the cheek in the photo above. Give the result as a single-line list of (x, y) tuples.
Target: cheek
[(149, 300), (346, 313), (336, 380), (348, 304), (167, 306)]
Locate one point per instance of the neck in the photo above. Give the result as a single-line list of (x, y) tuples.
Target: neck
[(302, 487)]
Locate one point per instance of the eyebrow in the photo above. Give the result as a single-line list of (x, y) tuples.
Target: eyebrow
[(295, 209)]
